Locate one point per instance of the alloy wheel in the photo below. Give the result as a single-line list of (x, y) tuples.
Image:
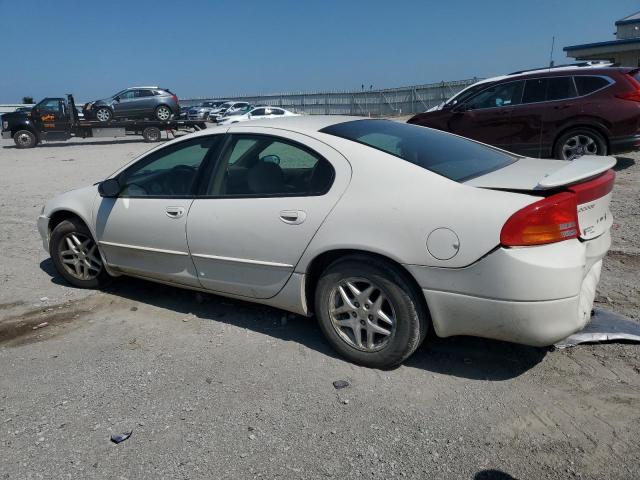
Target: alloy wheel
[(79, 255), (579, 145), (362, 314), (103, 115), (163, 113)]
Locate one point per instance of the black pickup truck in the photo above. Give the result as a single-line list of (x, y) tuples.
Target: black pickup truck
[(56, 119)]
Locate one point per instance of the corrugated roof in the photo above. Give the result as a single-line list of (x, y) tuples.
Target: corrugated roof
[(611, 43), (633, 18)]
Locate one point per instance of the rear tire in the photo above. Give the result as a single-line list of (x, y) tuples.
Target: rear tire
[(385, 303), (76, 256), (577, 142), (104, 114), (151, 134), (163, 113), (25, 139)]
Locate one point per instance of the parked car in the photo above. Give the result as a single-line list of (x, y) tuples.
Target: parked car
[(384, 230), (256, 113), (203, 110), (228, 107), (561, 112), (184, 111), (135, 102)]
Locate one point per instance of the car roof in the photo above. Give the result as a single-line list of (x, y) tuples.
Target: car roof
[(596, 69), (301, 124), (146, 86)]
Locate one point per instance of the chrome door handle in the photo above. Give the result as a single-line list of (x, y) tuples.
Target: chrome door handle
[(293, 217), (174, 212)]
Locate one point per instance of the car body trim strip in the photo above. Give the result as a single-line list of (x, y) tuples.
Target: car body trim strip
[(146, 249), (242, 260)]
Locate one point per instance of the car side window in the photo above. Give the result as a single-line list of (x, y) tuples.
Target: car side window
[(53, 105), (263, 166), (535, 90), (168, 172), (277, 111), (589, 84), (128, 95), (501, 95), (559, 88), (258, 111), (144, 93)]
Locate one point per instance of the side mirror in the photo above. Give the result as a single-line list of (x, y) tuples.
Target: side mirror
[(109, 188), (460, 108), (249, 115)]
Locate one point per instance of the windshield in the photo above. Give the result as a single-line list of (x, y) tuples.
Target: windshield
[(226, 105), (119, 93), (454, 157)]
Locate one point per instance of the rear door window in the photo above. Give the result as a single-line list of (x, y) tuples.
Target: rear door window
[(559, 88), (535, 90), (587, 84), (262, 166)]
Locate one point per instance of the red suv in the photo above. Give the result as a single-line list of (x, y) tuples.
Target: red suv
[(558, 112)]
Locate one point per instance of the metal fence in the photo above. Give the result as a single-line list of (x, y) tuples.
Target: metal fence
[(371, 102)]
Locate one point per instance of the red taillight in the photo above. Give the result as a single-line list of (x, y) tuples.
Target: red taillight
[(593, 189), (175, 97), (633, 95), (549, 220)]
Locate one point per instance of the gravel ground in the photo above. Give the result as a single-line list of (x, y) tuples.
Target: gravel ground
[(216, 388)]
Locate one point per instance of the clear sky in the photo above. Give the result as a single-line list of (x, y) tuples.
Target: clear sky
[(224, 47)]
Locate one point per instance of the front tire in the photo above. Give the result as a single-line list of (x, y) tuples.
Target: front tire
[(370, 312), (76, 256), (578, 142), (104, 114), (25, 139), (163, 113)]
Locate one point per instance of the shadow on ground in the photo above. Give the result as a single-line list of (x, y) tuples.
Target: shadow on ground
[(465, 357), (493, 475), (624, 163)]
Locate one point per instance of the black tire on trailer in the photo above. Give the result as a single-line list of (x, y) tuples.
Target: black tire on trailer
[(25, 139), (151, 134)]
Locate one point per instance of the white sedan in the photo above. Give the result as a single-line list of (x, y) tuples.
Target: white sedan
[(257, 113), (383, 230)]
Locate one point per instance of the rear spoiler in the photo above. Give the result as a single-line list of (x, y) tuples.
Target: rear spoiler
[(582, 168)]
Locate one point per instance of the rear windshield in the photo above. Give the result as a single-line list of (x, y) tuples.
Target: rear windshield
[(456, 158)]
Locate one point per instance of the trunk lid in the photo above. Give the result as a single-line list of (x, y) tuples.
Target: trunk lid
[(590, 178)]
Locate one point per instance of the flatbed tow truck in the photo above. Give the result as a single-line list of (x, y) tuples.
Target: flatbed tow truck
[(56, 119)]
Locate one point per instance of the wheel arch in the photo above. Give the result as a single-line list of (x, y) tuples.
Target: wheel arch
[(321, 261), (28, 127), (600, 129), (61, 215)]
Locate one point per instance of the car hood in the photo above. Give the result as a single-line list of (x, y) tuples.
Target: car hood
[(15, 115), (104, 101)]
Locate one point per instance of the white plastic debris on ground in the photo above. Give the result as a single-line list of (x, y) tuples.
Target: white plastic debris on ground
[(604, 326)]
